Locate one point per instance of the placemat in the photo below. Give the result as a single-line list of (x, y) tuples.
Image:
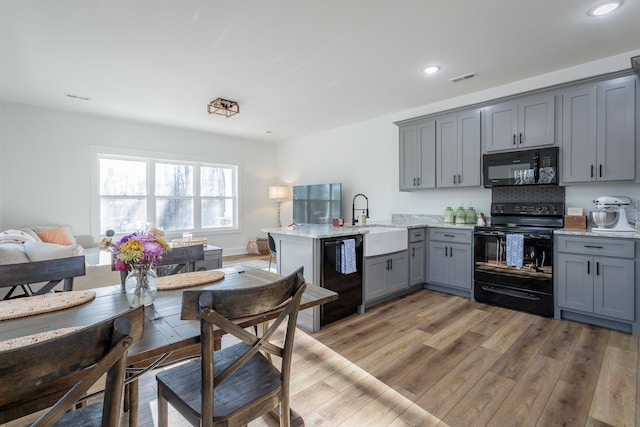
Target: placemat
[(29, 306), (32, 339), (185, 280)]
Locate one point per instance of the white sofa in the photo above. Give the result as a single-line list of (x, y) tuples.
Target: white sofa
[(24, 245)]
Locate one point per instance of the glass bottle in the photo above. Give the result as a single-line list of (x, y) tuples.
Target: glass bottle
[(448, 215), (471, 216), (461, 216)]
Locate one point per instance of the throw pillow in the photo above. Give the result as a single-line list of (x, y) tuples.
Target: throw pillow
[(15, 236), (12, 255), (55, 235), (45, 251), (66, 227)]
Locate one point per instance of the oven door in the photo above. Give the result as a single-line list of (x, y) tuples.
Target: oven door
[(529, 288)]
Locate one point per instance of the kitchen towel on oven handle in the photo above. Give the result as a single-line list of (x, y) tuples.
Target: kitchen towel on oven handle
[(515, 249)]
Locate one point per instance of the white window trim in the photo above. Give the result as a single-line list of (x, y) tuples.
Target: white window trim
[(112, 151)]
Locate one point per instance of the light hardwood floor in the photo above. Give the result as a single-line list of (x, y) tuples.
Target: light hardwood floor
[(439, 360)]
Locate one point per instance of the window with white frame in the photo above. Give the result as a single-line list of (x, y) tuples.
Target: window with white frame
[(174, 196)]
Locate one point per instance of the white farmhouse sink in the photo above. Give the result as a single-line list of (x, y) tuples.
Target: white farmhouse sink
[(384, 240)]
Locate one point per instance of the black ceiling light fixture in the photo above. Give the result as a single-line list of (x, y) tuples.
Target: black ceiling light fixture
[(223, 107)]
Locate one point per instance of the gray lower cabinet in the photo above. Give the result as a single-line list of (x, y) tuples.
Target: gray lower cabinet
[(595, 278), (598, 136), (385, 276), (458, 149), (450, 261), (417, 262), (525, 123), (418, 155)]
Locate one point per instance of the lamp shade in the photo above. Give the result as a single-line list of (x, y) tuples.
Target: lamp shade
[(278, 192)]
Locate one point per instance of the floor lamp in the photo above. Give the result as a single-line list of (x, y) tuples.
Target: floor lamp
[(278, 192)]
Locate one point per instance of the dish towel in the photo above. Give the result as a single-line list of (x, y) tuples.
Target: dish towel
[(515, 249), (348, 258)]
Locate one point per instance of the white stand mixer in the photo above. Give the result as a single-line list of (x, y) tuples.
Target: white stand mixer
[(610, 203)]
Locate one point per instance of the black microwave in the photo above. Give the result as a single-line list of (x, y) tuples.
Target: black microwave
[(527, 167)]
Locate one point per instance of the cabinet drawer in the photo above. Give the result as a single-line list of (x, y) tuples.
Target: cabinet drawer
[(451, 235), (621, 248), (416, 235)]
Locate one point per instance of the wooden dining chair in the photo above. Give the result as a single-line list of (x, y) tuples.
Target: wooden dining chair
[(51, 272), (55, 373), (181, 257), (234, 385)]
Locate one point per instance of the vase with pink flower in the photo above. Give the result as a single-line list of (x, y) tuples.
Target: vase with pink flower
[(139, 253)]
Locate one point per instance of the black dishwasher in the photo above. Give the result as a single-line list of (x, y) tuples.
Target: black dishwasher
[(345, 278)]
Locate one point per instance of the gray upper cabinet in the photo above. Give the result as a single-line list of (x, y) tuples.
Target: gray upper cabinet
[(598, 132), (417, 155), (525, 123), (458, 150)]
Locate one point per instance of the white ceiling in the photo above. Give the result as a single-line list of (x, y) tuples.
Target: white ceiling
[(296, 67)]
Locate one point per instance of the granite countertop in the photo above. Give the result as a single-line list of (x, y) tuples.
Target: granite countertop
[(399, 221), (588, 232)]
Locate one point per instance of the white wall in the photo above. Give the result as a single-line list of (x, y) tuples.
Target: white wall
[(46, 167), (365, 156), (2, 162)]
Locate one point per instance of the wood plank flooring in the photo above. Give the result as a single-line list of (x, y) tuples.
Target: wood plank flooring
[(432, 359)]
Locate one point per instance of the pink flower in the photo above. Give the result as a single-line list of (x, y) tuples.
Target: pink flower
[(120, 265)]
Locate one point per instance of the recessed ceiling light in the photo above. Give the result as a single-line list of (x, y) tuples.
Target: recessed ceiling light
[(431, 69), (604, 8)]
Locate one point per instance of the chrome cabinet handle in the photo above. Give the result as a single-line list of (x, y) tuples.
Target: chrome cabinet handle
[(446, 251), (520, 137), (591, 171), (514, 139), (588, 267), (597, 268), (459, 179), (600, 170)]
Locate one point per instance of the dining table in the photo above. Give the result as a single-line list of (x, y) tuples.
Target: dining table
[(166, 336)]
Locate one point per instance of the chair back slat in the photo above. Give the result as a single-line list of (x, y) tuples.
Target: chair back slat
[(242, 302), (52, 271), (36, 376), (181, 256)]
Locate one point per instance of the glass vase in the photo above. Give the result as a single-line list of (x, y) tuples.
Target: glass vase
[(141, 286)]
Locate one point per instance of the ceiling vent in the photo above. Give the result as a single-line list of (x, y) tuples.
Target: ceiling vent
[(463, 77)]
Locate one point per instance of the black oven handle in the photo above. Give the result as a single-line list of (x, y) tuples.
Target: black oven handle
[(511, 293), (503, 234)]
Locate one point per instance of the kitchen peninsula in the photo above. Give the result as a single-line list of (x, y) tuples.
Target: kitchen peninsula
[(390, 259)]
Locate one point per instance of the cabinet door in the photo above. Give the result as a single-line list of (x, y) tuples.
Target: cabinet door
[(536, 122), (447, 152), (438, 263), (427, 154), (614, 288), (416, 263), (469, 149), (375, 270), (397, 273), (460, 265), (501, 122), (408, 158), (579, 135), (616, 130), (575, 282)]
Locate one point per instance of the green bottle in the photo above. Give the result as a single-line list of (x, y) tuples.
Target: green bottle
[(448, 215), (461, 216)]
